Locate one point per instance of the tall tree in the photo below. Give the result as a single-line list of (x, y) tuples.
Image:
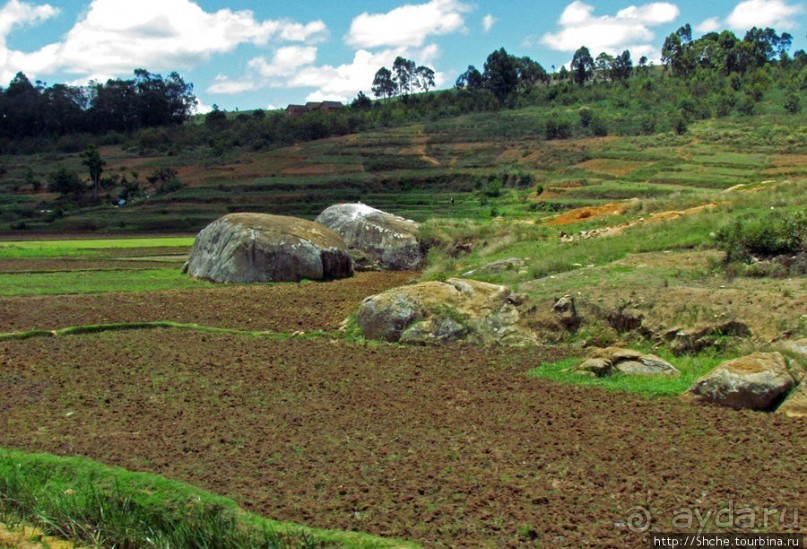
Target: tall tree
[(622, 67), (471, 79), (530, 73), (424, 78), (91, 158), (501, 75), (582, 66), (383, 86), (403, 74)]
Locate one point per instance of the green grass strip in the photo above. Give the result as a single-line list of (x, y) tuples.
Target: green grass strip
[(122, 326), (691, 368), (81, 500), (53, 248), (85, 282)]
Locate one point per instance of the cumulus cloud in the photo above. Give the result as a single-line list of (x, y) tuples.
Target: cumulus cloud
[(344, 81), (114, 37), (765, 13), (709, 25), (629, 29), (407, 25), (285, 61), (487, 22), (18, 14)]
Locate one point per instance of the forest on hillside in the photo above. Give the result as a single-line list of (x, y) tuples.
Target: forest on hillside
[(715, 75)]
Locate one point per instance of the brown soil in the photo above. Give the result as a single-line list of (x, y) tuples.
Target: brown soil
[(61, 264), (616, 168), (588, 212), (322, 169), (448, 446), (280, 307)]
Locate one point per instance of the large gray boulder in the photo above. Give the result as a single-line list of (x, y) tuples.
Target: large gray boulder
[(249, 247), (757, 382), (377, 240), (442, 312)]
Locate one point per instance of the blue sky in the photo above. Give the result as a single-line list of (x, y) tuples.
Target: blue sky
[(243, 54)]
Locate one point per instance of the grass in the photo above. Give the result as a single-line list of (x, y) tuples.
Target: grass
[(60, 248), (78, 499), (691, 368), (85, 282), (119, 326)]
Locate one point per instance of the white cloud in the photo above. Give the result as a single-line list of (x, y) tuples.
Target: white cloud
[(628, 29), (16, 13), (344, 81), (115, 37), (709, 25), (765, 13), (487, 22), (227, 86), (407, 25), (285, 61)]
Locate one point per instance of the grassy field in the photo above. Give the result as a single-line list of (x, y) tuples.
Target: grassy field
[(619, 223)]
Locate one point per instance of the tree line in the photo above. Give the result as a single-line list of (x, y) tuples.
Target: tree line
[(145, 101)]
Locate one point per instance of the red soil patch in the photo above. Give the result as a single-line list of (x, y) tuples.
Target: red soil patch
[(445, 446), (588, 212)]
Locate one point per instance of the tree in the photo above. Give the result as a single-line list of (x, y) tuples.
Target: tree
[(66, 182), (471, 79), (383, 86), (622, 67), (362, 102), (424, 78), (500, 75), (530, 73), (91, 158), (603, 64), (403, 73), (582, 66)]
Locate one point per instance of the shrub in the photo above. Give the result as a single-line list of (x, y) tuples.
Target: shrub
[(557, 129), (585, 116), (764, 238), (792, 103)]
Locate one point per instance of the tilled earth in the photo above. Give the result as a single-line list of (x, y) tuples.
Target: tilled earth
[(451, 446), (279, 307)]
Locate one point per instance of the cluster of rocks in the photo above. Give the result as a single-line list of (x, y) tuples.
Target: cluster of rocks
[(760, 381), (251, 247), (604, 362)]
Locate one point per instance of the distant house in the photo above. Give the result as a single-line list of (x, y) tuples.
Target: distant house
[(311, 106)]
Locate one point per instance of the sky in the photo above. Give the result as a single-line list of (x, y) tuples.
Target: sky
[(242, 55)]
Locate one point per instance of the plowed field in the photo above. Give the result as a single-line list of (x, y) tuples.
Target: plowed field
[(451, 446)]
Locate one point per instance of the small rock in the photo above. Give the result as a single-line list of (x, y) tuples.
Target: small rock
[(796, 404)]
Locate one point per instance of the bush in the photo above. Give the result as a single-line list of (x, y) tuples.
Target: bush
[(792, 103), (765, 238), (558, 129)]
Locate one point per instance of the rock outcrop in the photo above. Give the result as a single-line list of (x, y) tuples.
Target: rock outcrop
[(376, 239), (796, 403), (249, 247), (605, 362), (757, 382), (442, 312)]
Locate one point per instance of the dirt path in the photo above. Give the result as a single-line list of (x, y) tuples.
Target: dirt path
[(448, 446)]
